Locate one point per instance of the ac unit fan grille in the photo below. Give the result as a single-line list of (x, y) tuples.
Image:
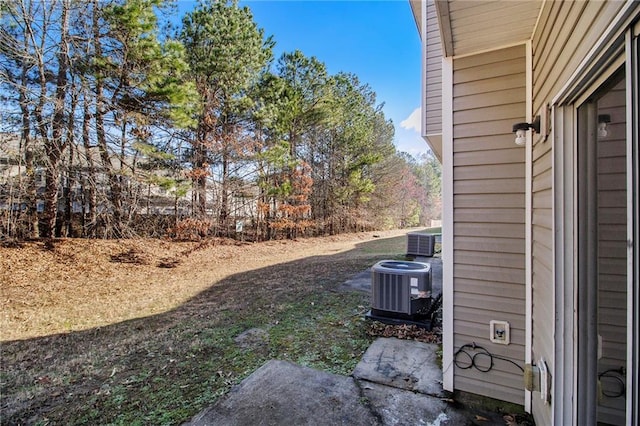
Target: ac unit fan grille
[(391, 293), (420, 244)]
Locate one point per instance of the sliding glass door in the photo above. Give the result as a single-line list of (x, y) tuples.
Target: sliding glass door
[(602, 187)]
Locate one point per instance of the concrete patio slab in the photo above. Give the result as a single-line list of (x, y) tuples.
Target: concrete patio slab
[(402, 364), (282, 393), (399, 407)]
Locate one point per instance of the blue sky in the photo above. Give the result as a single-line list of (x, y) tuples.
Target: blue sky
[(375, 40)]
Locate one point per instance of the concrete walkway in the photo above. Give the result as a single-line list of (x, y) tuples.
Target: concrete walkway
[(397, 382)]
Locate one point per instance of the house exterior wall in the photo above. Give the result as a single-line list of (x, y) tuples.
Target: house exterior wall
[(489, 94), (565, 34), (564, 59)]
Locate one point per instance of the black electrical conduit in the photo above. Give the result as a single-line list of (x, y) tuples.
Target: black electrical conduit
[(481, 351)]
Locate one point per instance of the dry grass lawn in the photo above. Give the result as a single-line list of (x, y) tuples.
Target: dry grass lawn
[(80, 284), (146, 331)]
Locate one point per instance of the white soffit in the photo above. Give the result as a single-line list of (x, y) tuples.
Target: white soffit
[(470, 26)]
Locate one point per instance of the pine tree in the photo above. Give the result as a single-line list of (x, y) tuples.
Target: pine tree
[(226, 53)]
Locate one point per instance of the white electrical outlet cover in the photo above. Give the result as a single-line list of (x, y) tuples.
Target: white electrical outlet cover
[(545, 381), (499, 332)]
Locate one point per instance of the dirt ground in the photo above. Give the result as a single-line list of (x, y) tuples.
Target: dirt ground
[(72, 284)]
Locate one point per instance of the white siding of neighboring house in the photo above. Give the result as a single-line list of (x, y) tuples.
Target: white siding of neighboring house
[(489, 93), (565, 33)]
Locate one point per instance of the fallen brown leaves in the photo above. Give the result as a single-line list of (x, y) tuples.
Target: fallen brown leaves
[(71, 284), (132, 256), (405, 331), (518, 420)]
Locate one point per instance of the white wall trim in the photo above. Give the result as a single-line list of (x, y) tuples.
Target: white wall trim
[(528, 221), (557, 211), (564, 252), (631, 77), (447, 225)]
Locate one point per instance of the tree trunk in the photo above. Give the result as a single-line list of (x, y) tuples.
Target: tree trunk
[(200, 169), (30, 51), (71, 172), (115, 190), (67, 194), (55, 145), (32, 191), (224, 196), (90, 229)]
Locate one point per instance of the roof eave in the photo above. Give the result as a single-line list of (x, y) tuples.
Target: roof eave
[(455, 36)]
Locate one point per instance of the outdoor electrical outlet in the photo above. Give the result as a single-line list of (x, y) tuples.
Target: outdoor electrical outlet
[(499, 332), (545, 381)]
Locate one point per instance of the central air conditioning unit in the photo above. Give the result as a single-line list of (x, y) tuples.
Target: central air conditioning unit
[(401, 292), (419, 244)]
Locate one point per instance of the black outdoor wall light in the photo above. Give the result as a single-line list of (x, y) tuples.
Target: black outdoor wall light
[(520, 129)]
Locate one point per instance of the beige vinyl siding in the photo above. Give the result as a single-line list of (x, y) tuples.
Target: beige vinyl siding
[(433, 100), (542, 294), (565, 34), (489, 213), (567, 31)]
